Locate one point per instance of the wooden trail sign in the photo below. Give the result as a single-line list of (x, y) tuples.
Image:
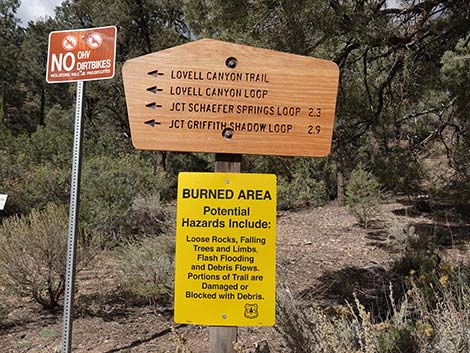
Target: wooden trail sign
[(212, 96)]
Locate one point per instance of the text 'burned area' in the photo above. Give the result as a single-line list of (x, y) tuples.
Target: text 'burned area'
[(226, 194)]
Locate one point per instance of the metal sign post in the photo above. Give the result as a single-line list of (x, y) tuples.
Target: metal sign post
[(78, 55), (73, 221)]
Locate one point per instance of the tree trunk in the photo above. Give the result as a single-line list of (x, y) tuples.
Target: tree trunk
[(340, 187), (42, 113)]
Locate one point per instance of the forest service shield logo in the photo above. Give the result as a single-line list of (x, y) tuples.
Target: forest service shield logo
[(251, 311)]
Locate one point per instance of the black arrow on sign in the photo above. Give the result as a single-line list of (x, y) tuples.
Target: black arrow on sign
[(155, 73), (154, 89), (153, 105), (152, 122)]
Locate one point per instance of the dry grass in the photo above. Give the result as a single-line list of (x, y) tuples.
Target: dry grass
[(147, 268), (33, 255), (419, 324)]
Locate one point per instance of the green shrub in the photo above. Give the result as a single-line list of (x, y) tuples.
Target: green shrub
[(33, 255), (296, 169), (459, 186), (147, 268), (35, 169), (422, 320), (109, 187), (300, 192), (149, 215), (268, 164), (443, 321), (397, 340), (9, 160), (37, 187), (189, 162), (420, 264), (48, 145), (309, 329), (399, 171), (107, 143), (451, 317), (363, 195)]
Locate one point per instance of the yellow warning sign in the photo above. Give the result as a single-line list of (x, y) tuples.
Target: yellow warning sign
[(226, 249)]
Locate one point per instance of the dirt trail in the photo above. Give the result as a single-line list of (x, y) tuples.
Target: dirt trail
[(314, 246)]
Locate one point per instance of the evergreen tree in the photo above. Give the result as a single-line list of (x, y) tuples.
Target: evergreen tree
[(10, 41)]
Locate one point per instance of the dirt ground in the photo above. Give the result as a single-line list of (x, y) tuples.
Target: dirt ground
[(316, 250)]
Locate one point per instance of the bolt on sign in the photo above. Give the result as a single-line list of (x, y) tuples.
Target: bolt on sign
[(226, 249), (81, 55), (213, 96)]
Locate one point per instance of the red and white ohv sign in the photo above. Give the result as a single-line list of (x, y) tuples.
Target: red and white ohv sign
[(81, 55)]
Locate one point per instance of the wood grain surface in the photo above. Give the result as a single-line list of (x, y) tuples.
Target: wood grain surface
[(213, 96)]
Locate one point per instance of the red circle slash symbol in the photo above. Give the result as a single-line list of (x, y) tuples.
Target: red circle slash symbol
[(69, 42), (94, 40)]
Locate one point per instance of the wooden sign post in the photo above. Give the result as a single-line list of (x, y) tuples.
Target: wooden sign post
[(222, 337), (230, 99)]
